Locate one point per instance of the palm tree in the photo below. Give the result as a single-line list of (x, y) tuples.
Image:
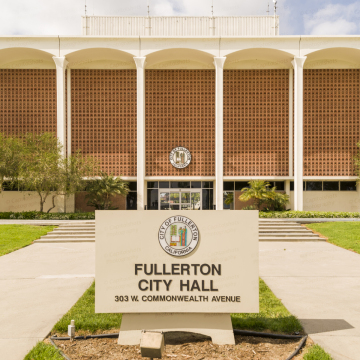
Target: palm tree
[(102, 190), (258, 191)]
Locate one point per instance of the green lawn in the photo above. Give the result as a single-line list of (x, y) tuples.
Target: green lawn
[(317, 353), (83, 312), (43, 351), (14, 237), (273, 316), (343, 234)]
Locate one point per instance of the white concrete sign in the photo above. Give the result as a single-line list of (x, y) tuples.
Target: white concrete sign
[(177, 262)]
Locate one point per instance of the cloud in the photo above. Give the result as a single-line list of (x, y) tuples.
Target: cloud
[(45, 17), (334, 19)]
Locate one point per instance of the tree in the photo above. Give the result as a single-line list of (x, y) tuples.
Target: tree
[(41, 171), (46, 171), (10, 159), (260, 192), (74, 169), (101, 191)]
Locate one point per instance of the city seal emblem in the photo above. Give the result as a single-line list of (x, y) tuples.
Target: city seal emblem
[(180, 157), (178, 235)]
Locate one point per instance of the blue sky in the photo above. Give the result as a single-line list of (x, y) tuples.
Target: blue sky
[(303, 17)]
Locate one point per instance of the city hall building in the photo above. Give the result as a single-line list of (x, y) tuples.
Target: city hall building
[(188, 109)]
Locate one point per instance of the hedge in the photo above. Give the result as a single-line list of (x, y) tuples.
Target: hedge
[(36, 215), (308, 214)]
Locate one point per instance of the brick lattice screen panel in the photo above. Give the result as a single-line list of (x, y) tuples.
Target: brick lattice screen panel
[(103, 118), (180, 111), (256, 122), (331, 121), (27, 101)]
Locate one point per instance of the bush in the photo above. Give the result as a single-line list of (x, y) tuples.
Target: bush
[(37, 215), (308, 214)]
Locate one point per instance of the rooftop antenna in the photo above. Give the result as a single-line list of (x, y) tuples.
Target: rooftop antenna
[(212, 8), (268, 10), (85, 8), (275, 22), (148, 7)]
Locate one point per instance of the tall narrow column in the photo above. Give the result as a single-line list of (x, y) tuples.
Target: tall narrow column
[(61, 63), (219, 131), (140, 128), (298, 64), (68, 103)]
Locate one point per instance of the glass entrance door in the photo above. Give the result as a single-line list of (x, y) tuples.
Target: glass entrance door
[(180, 199)]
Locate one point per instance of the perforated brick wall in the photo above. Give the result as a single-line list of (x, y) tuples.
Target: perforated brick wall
[(331, 121), (256, 122), (103, 118), (180, 111), (27, 101)]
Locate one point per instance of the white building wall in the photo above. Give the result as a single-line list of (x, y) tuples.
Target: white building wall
[(30, 201), (348, 201), (180, 26)]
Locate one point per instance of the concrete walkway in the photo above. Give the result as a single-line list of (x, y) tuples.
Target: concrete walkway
[(38, 285), (320, 284)]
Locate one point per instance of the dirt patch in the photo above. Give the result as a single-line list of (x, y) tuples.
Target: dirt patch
[(185, 346)]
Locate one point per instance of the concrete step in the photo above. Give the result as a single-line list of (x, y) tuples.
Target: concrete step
[(295, 234), (72, 232), (61, 240), (285, 230), (299, 238), (70, 236), (278, 223)]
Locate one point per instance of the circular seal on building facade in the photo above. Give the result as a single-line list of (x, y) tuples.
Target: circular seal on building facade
[(180, 157), (178, 235)]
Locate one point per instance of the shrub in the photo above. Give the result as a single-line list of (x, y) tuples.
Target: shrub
[(308, 214), (37, 215)]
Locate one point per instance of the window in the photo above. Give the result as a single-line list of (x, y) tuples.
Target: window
[(239, 185), (207, 184), (331, 186), (164, 185), (313, 185), (153, 184), (196, 184), (228, 186), (180, 184), (347, 185), (131, 197), (152, 199), (207, 199)]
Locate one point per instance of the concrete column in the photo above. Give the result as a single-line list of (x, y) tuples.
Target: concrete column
[(287, 191), (68, 102), (141, 191), (291, 120), (219, 131), (61, 63), (298, 64)]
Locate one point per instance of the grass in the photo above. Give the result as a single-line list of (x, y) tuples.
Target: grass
[(343, 234), (83, 312), (42, 351), (317, 353), (14, 237), (273, 315)]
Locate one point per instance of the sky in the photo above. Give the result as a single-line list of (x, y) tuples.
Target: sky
[(302, 17)]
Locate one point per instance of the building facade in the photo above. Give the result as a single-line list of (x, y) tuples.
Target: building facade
[(280, 108)]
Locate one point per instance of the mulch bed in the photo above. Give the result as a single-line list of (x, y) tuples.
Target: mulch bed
[(184, 346)]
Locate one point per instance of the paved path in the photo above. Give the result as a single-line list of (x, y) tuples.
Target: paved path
[(320, 284), (38, 285)]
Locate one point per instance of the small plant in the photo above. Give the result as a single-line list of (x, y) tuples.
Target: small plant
[(101, 191), (229, 198), (264, 197)]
